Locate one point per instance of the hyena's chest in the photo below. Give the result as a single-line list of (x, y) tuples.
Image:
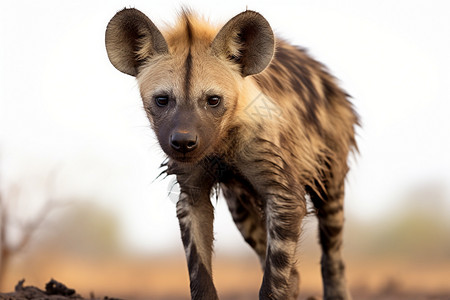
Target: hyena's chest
[(228, 175)]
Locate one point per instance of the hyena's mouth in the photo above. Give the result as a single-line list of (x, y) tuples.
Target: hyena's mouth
[(185, 159), (191, 157)]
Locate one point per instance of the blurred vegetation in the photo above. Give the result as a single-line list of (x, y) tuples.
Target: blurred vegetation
[(84, 229), (418, 227), (34, 228)]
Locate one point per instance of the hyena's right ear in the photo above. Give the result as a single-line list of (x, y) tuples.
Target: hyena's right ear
[(248, 40), (131, 38)]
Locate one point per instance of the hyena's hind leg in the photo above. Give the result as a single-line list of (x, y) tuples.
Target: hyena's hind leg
[(243, 206), (330, 214)]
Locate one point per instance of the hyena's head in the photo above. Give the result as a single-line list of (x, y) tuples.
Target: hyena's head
[(193, 77)]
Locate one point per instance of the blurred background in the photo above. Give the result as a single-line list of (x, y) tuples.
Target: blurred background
[(78, 161)]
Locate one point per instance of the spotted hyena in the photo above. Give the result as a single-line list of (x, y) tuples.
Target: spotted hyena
[(238, 108)]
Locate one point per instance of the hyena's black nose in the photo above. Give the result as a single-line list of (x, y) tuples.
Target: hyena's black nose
[(183, 141)]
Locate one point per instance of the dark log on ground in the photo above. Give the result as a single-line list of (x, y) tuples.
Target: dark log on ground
[(53, 291)]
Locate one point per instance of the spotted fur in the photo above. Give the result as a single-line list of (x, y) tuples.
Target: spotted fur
[(236, 107)]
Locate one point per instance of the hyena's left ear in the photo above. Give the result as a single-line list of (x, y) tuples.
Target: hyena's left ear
[(131, 38), (248, 40)]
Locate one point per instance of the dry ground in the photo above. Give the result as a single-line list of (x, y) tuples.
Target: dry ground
[(165, 278)]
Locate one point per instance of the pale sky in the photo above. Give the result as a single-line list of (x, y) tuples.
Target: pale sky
[(64, 107)]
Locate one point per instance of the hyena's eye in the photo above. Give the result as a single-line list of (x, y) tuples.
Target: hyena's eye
[(162, 101), (213, 101)]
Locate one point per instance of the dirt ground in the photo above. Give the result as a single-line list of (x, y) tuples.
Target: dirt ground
[(166, 278), (58, 291)]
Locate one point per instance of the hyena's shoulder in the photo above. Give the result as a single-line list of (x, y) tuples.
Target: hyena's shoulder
[(295, 77), (306, 91)]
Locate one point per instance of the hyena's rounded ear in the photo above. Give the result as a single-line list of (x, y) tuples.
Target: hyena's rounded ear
[(131, 38), (248, 40)]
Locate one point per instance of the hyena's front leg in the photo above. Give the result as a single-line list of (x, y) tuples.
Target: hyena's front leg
[(284, 216), (196, 215), (284, 208), (243, 206)]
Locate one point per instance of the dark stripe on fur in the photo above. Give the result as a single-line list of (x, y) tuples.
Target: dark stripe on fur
[(188, 62), (279, 259), (188, 28), (250, 241), (193, 258), (185, 234), (329, 210), (240, 214), (331, 231), (188, 75), (329, 244), (332, 268), (271, 281), (202, 286), (283, 233)]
